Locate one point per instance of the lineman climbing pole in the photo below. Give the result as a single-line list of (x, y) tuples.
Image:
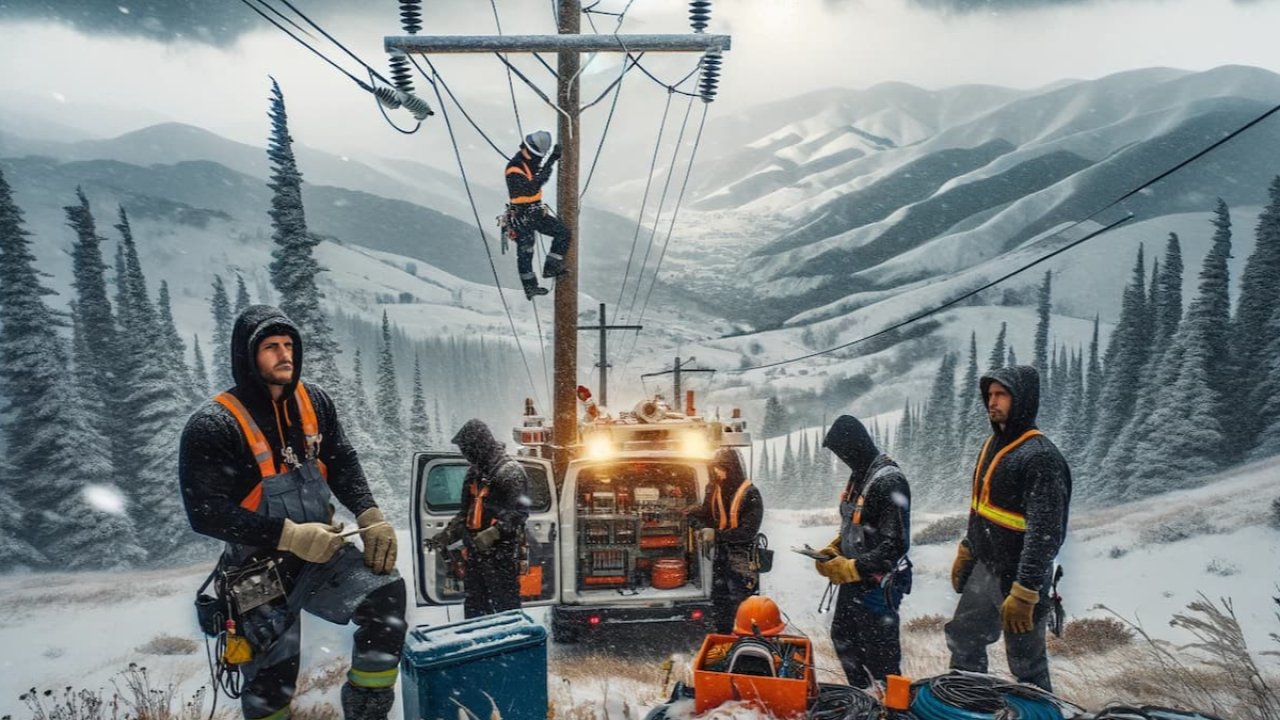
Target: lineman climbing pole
[(569, 44)]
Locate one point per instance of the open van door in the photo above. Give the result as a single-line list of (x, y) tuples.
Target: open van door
[(437, 497)]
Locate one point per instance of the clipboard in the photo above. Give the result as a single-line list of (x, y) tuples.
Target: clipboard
[(810, 552)]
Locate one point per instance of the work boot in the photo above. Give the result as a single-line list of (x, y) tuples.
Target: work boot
[(361, 703), (554, 268), (533, 291)]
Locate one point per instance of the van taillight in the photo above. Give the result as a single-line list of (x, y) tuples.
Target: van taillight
[(593, 620), (695, 615)]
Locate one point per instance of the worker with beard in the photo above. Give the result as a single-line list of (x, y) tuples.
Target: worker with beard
[(257, 466), (728, 521), (1017, 522), (868, 560), (490, 523)]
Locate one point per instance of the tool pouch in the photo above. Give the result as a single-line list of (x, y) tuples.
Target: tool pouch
[(762, 556), (212, 611), (253, 585)]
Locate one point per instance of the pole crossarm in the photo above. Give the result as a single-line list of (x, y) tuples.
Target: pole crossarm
[(441, 44)]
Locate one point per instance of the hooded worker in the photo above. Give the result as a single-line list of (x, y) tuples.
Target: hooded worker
[(1017, 523), (495, 506), (729, 520), (258, 466), (868, 559), (526, 172)]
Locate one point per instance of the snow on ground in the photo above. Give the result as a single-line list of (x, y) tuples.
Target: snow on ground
[(1144, 560)]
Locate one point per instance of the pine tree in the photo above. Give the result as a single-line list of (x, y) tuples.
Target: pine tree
[(199, 372), (419, 421), (220, 306), (57, 462), (1043, 306), (1071, 428), (788, 474), (762, 473), (96, 369), (1268, 442), (996, 360), (1188, 434), (1252, 332), (971, 416), (388, 395), (1126, 355), (242, 295), (169, 338), (1093, 383), (902, 438), (361, 427), (1169, 307), (1013, 357), (775, 418), (294, 268), (939, 427)]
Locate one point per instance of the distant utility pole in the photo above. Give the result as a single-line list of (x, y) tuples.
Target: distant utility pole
[(568, 44), (604, 351), (677, 369)]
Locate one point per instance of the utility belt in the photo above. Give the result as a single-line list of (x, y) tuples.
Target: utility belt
[(513, 223), (237, 591)]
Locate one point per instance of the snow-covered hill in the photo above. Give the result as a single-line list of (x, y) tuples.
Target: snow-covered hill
[(1144, 560)]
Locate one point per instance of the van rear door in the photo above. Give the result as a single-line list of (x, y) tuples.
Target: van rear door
[(437, 497)]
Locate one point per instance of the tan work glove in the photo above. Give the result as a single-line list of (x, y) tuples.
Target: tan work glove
[(487, 538), (832, 549), (707, 535), (839, 570), (1017, 610), (314, 542), (379, 541), (961, 567)]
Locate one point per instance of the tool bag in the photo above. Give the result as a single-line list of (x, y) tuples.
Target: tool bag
[(237, 591), (761, 555)]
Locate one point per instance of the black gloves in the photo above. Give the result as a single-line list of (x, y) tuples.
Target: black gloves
[(555, 154)]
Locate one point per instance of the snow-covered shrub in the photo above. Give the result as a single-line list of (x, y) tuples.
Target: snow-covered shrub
[(1275, 513), (1178, 526), (1116, 552), (1090, 635), (948, 529), (1220, 567), (169, 645)]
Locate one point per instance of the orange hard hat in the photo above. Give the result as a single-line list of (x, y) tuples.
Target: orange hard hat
[(758, 614)]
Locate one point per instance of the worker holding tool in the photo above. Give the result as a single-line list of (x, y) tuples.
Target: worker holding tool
[(257, 466), (526, 215), (728, 521), (1003, 568)]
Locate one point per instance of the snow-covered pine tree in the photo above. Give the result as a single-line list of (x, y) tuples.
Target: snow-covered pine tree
[(996, 359), (419, 422), (170, 339), (199, 370), (939, 431), (1013, 357), (1043, 307), (762, 474), (294, 268), (57, 462), (971, 416), (1168, 311), (790, 467), (775, 418), (1126, 355), (902, 438), (220, 307), (1188, 432), (435, 422), (388, 393), (1093, 385), (242, 295), (1268, 442), (1069, 434), (360, 425), (1252, 332)]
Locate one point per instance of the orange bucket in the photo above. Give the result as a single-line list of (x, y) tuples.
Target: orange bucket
[(668, 573)]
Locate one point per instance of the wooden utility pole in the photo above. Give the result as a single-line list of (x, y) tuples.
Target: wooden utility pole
[(568, 44), (604, 329), (677, 368)]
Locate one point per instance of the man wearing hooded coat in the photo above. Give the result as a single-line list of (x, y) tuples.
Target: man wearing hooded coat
[(729, 520), (1017, 522), (277, 507), (868, 558), (490, 523)]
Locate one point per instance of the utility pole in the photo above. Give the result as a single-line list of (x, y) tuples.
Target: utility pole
[(568, 44), (604, 329), (678, 368)]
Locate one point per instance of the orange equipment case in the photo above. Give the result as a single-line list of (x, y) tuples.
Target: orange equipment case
[(778, 697)]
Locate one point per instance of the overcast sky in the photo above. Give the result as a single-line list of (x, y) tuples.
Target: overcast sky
[(206, 63)]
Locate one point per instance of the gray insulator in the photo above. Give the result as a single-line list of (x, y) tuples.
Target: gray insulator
[(401, 73), (699, 14), (388, 96), (710, 75), (416, 105), (411, 16)]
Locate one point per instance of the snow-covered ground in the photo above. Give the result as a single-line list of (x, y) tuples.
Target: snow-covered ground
[(1144, 560)]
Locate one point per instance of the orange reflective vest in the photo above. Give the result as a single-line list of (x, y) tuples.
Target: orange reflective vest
[(729, 520), (258, 442), (475, 517), (524, 170), (980, 502)]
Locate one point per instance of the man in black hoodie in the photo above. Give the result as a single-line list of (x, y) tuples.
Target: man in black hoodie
[(869, 557), (728, 521), (1017, 522), (257, 466), (490, 523)]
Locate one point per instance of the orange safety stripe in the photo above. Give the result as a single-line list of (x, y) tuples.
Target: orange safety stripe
[(527, 199), (528, 175), (476, 517), (730, 522), (258, 442), (980, 501), (523, 170)]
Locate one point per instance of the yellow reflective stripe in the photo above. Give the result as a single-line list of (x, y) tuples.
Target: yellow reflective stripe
[(736, 505), (280, 714), (373, 678), (717, 508), (980, 502)]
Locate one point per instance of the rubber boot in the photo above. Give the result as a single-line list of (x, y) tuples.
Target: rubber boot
[(361, 703), (554, 268)]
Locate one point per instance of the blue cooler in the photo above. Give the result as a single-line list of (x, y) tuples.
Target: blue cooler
[(502, 655)]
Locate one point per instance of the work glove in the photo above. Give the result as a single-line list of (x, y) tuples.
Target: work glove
[(839, 570), (1017, 610), (487, 538), (707, 535), (555, 154), (379, 541), (961, 567), (314, 542), (832, 550)]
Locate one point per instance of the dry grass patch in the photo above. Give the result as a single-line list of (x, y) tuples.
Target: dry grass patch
[(817, 518), (932, 623), (1090, 636), (944, 530), (134, 697), (169, 645), (323, 677)]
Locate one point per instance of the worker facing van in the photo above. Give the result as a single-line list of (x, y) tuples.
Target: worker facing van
[(868, 559), (490, 522), (526, 216), (728, 521)]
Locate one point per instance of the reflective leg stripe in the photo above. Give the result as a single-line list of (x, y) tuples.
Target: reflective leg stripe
[(281, 714), (529, 276), (373, 678), (554, 256)]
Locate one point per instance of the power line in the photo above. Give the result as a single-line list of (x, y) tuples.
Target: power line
[(436, 76), (653, 164)]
